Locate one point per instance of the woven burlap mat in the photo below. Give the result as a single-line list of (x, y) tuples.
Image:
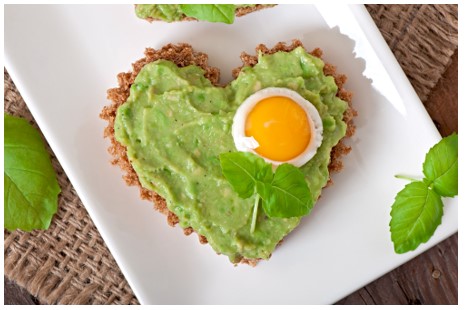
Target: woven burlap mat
[(70, 264)]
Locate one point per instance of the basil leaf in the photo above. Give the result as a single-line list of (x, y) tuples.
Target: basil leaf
[(242, 169), (284, 193), (265, 174), (287, 195), (224, 13), (415, 215), (441, 166), (30, 185)]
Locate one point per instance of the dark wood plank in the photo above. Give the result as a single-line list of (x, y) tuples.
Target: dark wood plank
[(16, 295), (428, 279), (442, 104)]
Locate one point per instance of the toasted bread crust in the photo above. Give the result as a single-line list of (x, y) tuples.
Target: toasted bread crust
[(249, 9), (184, 55), (240, 11)]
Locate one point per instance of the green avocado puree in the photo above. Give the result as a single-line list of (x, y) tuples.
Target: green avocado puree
[(175, 124), (165, 12)]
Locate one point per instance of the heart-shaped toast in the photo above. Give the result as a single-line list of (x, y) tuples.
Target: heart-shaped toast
[(170, 121)]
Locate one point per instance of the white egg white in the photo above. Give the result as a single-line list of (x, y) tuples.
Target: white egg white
[(249, 144)]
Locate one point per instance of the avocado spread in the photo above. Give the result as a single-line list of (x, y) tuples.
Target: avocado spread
[(168, 12), (175, 124)]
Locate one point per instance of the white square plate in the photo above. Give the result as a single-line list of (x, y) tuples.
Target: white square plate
[(63, 58)]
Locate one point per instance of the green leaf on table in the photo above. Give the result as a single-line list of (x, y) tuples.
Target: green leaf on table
[(441, 166), (224, 13), (30, 184), (287, 195), (243, 169), (415, 215)]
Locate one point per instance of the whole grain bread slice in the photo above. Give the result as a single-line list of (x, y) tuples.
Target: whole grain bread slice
[(183, 55)]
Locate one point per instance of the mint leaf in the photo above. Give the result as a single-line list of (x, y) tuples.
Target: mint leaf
[(30, 185), (224, 13), (287, 195), (415, 215), (243, 169), (441, 166)]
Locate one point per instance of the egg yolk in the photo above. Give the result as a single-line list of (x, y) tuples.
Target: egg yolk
[(280, 126)]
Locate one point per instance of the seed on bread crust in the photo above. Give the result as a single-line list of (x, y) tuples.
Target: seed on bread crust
[(183, 55)]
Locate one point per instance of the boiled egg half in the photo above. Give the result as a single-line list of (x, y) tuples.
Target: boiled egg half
[(279, 125)]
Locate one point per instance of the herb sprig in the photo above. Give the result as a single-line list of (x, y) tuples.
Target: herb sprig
[(418, 208), (283, 194)]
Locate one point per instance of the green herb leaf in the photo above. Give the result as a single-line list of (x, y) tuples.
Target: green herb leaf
[(287, 195), (418, 208), (224, 13), (415, 215), (243, 169), (30, 185), (441, 166), (284, 193)]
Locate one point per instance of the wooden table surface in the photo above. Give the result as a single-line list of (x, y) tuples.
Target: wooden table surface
[(430, 278)]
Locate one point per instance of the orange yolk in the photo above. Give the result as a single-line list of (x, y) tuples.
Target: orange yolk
[(281, 128)]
